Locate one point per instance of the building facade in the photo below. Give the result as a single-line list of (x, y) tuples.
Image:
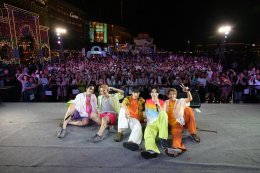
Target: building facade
[(64, 15), (113, 37), (22, 38), (144, 43), (27, 30)]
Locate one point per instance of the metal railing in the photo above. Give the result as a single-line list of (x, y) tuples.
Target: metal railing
[(207, 94)]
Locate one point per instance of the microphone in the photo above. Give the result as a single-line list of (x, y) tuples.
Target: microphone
[(157, 107)]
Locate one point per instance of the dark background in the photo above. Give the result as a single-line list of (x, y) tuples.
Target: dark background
[(172, 24)]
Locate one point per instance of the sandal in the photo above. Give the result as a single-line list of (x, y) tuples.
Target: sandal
[(173, 152), (96, 138)]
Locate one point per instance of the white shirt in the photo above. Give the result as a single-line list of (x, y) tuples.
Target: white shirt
[(80, 104), (210, 73), (202, 81), (257, 84)]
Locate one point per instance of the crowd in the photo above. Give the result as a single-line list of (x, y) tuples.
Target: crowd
[(61, 81)]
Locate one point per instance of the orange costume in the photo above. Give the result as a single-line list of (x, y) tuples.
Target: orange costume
[(176, 127)]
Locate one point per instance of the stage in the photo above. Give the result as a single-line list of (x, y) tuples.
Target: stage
[(230, 142)]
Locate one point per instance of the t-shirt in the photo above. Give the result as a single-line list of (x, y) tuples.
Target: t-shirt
[(136, 107), (170, 112), (133, 108), (151, 110), (88, 105), (106, 105), (202, 81), (210, 73)]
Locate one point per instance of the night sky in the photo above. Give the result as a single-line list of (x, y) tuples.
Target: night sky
[(172, 25)]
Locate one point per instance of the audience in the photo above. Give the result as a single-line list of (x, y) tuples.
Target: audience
[(63, 81)]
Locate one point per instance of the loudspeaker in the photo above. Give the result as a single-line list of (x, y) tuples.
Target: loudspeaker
[(195, 103)]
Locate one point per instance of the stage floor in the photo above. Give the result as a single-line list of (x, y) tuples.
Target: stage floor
[(28, 143)]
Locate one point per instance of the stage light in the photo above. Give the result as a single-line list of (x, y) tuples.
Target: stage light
[(224, 29), (61, 30)]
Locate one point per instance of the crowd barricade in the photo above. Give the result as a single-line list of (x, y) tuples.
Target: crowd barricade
[(250, 93), (54, 93), (9, 94)]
